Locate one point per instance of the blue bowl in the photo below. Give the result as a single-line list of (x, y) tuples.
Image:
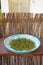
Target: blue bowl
[(15, 36)]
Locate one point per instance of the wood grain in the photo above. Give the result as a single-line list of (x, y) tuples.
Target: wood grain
[(13, 23), (21, 60)]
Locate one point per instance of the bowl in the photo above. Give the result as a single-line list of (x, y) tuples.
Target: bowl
[(27, 36)]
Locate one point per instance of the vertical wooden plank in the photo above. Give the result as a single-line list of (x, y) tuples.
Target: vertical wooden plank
[(1, 34), (17, 60), (7, 60), (20, 62), (21, 19), (13, 22), (26, 23), (7, 30), (3, 22), (30, 23), (23, 24), (34, 60), (17, 25), (41, 17), (3, 60), (0, 60), (42, 60), (38, 60), (29, 60), (26, 60), (38, 23), (11, 60)]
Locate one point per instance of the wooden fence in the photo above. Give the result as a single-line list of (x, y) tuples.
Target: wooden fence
[(22, 23), (27, 23), (21, 60)]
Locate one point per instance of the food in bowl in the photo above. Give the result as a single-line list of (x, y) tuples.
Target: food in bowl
[(22, 44)]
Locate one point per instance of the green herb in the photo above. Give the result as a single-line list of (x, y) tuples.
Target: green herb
[(22, 44)]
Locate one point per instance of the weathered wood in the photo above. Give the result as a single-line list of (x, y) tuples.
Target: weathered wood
[(21, 60), (0, 60), (21, 23)]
